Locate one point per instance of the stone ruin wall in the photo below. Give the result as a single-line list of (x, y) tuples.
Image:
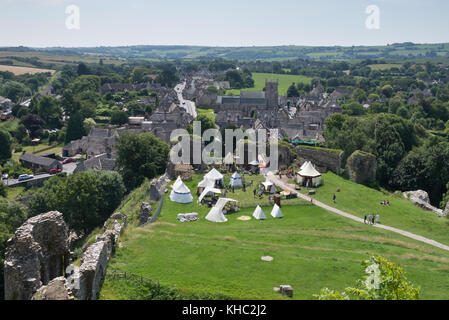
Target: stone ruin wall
[(38, 256), (322, 158)]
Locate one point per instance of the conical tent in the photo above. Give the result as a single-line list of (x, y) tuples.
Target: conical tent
[(180, 193), (216, 213), (276, 212), (214, 175), (236, 180), (303, 165), (258, 214)]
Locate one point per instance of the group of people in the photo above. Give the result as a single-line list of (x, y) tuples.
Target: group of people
[(371, 218), (289, 173), (385, 203)]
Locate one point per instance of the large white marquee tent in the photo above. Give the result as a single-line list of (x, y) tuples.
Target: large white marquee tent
[(308, 176)]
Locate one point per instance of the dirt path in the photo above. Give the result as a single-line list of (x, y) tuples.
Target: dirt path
[(281, 184)]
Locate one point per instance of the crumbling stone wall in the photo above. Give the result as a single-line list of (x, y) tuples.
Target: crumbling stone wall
[(329, 159), (36, 254), (87, 280), (361, 167)]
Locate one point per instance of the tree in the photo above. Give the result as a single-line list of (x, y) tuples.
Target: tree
[(85, 199), (83, 69), (292, 91), (140, 156), (5, 146), (138, 74), (353, 108), (88, 124), (75, 128), (49, 110), (119, 118), (387, 90), (384, 280)]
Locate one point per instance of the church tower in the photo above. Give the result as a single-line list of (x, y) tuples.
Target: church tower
[(272, 94)]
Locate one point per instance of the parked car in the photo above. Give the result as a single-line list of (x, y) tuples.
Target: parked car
[(5, 176), (55, 171), (24, 177), (67, 160)]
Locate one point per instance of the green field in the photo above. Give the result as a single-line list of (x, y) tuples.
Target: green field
[(358, 200), (312, 249), (285, 81), (38, 149), (386, 66)]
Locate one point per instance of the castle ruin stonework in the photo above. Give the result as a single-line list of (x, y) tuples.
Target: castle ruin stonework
[(36, 254)]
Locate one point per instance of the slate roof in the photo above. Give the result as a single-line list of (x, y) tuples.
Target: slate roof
[(41, 161)]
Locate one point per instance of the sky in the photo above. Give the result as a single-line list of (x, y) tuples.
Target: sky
[(43, 23)]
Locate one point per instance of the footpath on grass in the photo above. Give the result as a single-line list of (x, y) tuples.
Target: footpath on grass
[(281, 184)]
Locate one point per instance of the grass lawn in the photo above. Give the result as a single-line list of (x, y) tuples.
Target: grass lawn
[(285, 81), (208, 112), (358, 200), (312, 249), (39, 149), (9, 126)]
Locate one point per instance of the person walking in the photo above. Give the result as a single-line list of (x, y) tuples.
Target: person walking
[(334, 197), (255, 191), (369, 218), (364, 219), (373, 218)]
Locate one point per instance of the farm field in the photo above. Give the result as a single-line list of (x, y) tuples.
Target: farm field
[(51, 58), (385, 66), (312, 249), (285, 80), (24, 70)]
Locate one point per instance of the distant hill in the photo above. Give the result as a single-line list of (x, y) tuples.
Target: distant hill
[(394, 51)]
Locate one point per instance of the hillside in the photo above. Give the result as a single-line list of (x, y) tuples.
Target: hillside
[(393, 51), (312, 249)]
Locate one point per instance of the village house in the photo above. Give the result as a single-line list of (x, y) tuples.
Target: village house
[(35, 162)]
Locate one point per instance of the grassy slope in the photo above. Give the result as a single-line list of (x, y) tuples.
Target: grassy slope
[(285, 80), (358, 200), (312, 249)]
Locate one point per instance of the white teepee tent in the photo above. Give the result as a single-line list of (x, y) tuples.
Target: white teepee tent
[(216, 213), (258, 214), (236, 180), (180, 193), (276, 212)]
